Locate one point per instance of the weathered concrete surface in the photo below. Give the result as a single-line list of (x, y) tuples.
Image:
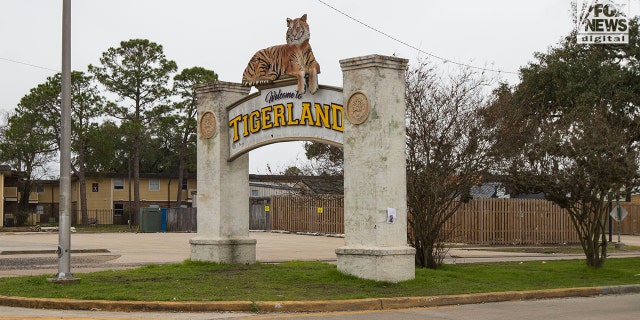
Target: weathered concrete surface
[(375, 174), (223, 225)]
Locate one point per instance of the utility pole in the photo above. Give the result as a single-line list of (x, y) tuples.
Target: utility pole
[(64, 240)]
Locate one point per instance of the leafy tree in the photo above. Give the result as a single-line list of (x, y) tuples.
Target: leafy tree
[(570, 129), (293, 171), (44, 102), (184, 120), (27, 143), (447, 152), (157, 147), (105, 146), (326, 159), (29, 139), (138, 73), (87, 104)]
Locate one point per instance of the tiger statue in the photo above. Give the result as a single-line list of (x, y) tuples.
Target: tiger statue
[(292, 59)]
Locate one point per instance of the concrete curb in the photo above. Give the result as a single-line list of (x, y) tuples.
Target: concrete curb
[(312, 306)]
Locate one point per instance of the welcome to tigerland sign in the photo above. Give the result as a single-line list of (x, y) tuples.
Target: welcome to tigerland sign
[(283, 114), (602, 21)]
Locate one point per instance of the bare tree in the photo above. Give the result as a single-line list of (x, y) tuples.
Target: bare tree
[(447, 152)]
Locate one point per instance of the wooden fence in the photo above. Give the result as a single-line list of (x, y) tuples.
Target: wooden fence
[(511, 221), (630, 224), (182, 219), (481, 221), (308, 214)]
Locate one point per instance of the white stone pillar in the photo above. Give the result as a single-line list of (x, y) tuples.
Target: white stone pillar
[(375, 170), (223, 186)]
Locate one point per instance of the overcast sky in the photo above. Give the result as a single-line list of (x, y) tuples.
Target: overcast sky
[(223, 35)]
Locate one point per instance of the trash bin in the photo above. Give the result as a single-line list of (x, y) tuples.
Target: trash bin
[(164, 219), (150, 220)]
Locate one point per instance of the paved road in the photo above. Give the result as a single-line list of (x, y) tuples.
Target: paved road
[(618, 307)]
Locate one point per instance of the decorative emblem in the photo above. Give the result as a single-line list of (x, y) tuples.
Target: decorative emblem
[(208, 125), (358, 108)]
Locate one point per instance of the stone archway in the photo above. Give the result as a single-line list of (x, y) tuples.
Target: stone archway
[(375, 174)]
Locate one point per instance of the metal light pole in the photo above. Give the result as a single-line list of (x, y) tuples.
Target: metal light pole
[(64, 240)]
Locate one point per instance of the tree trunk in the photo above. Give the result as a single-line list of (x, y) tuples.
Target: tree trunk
[(83, 184), (590, 228), (26, 190), (181, 157), (136, 175), (180, 179)]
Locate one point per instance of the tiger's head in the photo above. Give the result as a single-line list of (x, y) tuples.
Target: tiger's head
[(297, 30)]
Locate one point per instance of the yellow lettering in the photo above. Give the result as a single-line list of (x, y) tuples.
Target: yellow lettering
[(266, 118), (322, 115), (306, 117), (245, 125), (290, 121), (337, 115), (278, 115), (234, 124), (254, 121)]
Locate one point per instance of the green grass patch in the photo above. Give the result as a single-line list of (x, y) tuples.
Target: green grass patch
[(199, 281)]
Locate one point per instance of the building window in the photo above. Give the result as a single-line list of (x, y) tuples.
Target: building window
[(118, 183), (185, 185), (154, 184), (39, 209), (118, 209), (40, 188), (255, 193), (94, 187)]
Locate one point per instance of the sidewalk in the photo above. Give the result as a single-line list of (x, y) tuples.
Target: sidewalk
[(34, 253)]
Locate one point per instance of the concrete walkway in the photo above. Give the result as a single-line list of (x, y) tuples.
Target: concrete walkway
[(31, 253)]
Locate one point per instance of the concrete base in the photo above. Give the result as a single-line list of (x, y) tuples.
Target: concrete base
[(393, 264), (241, 251), (64, 279)]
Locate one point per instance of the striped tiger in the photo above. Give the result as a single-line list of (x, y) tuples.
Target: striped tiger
[(292, 59)]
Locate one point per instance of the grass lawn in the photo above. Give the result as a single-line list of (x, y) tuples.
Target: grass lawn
[(198, 281)]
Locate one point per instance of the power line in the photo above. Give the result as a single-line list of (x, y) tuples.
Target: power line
[(29, 64), (445, 60)]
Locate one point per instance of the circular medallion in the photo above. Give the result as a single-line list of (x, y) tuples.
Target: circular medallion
[(358, 108), (208, 125)]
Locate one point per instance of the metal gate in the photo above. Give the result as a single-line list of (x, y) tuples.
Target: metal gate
[(259, 214)]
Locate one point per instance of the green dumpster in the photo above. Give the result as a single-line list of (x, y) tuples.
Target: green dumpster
[(150, 220)]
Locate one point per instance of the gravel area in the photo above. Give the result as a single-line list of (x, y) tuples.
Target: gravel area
[(31, 262)]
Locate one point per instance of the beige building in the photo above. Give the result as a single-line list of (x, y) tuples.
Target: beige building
[(109, 197)]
